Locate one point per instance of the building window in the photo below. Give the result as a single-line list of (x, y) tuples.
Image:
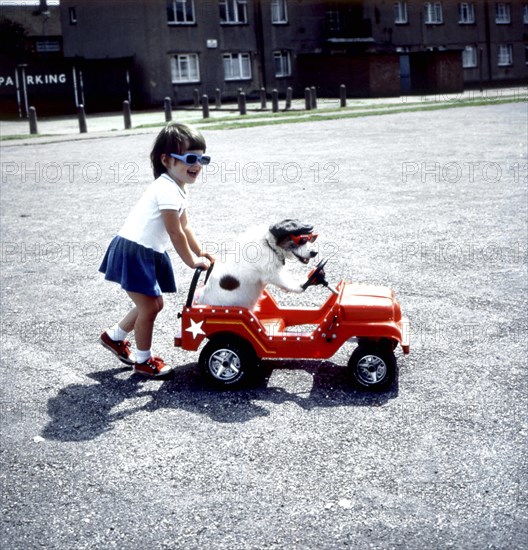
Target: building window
[(281, 61), (180, 12), (526, 55), (525, 14), (72, 12), (400, 13), (469, 57), (505, 58), (332, 21), (185, 68), (237, 66), (47, 46), (466, 13), (502, 13), (433, 13), (279, 13), (233, 11)]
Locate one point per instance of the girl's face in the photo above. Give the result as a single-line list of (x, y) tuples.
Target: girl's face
[(181, 172)]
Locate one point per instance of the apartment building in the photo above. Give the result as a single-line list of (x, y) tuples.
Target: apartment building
[(169, 48)]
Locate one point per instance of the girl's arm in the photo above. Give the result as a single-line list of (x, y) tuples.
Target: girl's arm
[(179, 239), (194, 244)]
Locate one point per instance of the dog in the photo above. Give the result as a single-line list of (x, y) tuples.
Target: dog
[(261, 261)]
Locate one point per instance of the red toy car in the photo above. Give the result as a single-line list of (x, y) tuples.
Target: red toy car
[(239, 337)]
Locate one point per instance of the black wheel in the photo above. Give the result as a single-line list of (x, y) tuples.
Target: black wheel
[(373, 366), (228, 361)]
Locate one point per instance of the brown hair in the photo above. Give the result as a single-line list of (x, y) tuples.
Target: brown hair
[(174, 138)]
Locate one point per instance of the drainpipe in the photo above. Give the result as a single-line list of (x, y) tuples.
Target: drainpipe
[(487, 38), (261, 52)]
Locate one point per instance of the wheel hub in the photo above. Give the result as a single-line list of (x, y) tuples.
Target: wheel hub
[(224, 364), (371, 369)]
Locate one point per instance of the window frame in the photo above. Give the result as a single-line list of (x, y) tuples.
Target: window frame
[(474, 61), (282, 55), (502, 13), (469, 18), (235, 5), (175, 66), (172, 4), (281, 7), (240, 57), (435, 9), (401, 15), (509, 55), (525, 14)]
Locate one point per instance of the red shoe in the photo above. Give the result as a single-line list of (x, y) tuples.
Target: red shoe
[(153, 367), (120, 348)]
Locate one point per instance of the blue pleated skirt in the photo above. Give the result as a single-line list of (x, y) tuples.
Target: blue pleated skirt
[(138, 268)]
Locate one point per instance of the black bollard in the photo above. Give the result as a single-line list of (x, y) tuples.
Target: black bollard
[(167, 107), (242, 103), (33, 126), (307, 99), (205, 106), (83, 129), (196, 97), (313, 94), (218, 98), (127, 114), (289, 94), (342, 95), (275, 101), (263, 104)]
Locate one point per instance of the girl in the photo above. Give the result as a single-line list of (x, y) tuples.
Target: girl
[(137, 257)]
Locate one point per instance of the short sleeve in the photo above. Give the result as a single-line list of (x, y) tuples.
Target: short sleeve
[(169, 197)]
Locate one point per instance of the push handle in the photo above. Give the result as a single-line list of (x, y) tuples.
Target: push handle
[(194, 283)]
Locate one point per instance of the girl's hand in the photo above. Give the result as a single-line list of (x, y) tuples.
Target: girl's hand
[(202, 264), (210, 257)]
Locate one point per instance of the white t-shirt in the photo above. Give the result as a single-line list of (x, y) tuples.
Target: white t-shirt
[(144, 225)]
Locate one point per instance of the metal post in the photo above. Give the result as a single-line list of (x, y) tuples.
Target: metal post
[(263, 104), (218, 98), (342, 95), (307, 99), (33, 127), (82, 119), (275, 101), (196, 97), (313, 97), (242, 103), (289, 94), (205, 106), (167, 107), (127, 115)]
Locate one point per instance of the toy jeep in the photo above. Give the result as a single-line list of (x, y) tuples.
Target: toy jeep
[(238, 337)]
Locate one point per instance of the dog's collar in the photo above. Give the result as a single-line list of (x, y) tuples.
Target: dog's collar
[(276, 252)]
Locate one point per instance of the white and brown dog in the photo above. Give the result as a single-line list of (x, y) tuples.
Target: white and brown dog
[(260, 261)]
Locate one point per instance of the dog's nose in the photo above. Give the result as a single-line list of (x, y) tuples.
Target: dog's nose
[(313, 254)]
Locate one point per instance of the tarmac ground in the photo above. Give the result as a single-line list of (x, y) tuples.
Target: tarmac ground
[(432, 204)]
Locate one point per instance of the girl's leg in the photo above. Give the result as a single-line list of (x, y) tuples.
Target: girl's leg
[(129, 320), (143, 317)]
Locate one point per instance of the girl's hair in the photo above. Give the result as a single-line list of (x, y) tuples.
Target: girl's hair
[(174, 138)]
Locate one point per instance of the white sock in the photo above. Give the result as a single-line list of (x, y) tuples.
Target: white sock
[(116, 333), (142, 356)]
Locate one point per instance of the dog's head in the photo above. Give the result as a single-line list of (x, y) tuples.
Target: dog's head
[(295, 238)]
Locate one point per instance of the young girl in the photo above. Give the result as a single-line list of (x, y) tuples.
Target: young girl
[(137, 257)]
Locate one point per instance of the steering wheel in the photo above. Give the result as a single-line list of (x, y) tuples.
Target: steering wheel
[(317, 275)]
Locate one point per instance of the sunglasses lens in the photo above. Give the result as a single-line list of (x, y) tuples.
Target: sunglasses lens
[(191, 158), (205, 160)]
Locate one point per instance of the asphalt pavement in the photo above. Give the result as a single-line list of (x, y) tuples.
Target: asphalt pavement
[(431, 204)]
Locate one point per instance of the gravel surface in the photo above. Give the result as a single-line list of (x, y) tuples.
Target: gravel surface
[(432, 204)]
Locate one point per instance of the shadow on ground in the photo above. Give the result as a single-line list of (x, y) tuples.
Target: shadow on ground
[(81, 412)]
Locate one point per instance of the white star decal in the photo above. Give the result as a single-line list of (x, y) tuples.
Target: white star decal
[(195, 328)]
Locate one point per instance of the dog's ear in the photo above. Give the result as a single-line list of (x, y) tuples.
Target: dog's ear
[(287, 227)]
